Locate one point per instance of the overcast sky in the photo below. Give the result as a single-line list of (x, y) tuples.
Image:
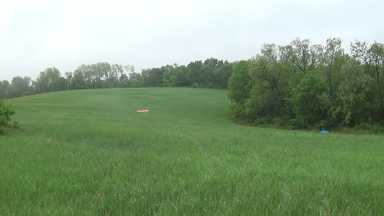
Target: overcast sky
[(37, 34)]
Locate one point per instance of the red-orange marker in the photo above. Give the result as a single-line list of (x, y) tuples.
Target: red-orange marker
[(142, 111)]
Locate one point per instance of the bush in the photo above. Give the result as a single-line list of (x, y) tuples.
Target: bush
[(5, 116), (261, 121), (375, 129), (238, 112)]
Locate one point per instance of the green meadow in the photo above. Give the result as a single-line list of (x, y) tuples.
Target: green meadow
[(88, 152)]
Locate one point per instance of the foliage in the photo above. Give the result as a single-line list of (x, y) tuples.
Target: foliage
[(5, 87), (5, 116), (312, 85), (239, 84), (310, 101), (211, 73), (269, 89), (20, 87)]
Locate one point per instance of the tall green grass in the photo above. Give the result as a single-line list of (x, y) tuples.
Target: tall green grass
[(90, 153)]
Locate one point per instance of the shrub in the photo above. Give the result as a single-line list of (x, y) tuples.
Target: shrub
[(5, 116), (375, 129)]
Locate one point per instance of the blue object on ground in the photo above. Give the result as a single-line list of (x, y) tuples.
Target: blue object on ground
[(324, 131)]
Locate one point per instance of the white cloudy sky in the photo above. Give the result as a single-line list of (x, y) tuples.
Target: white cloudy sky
[(37, 34)]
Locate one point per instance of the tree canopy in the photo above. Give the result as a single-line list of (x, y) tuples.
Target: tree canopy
[(212, 73), (311, 85)]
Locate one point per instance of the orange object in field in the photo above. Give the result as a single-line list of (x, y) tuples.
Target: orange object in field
[(142, 111)]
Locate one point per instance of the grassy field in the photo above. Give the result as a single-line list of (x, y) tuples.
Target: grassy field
[(89, 153)]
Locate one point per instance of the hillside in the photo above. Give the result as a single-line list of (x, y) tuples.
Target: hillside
[(88, 152)]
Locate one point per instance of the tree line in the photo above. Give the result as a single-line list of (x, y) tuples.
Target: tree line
[(300, 85), (307, 85), (211, 73)]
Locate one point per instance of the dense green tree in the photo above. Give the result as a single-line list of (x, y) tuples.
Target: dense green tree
[(180, 77), (354, 91), (195, 73), (270, 88), (49, 80), (83, 77), (239, 86), (20, 86), (371, 57), (5, 88), (310, 102), (299, 54), (207, 76), (78, 80), (222, 74), (376, 54), (240, 83), (331, 60), (168, 71), (97, 73), (152, 77), (113, 75)]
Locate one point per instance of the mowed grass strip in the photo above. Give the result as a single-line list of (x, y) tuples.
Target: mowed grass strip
[(89, 152)]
